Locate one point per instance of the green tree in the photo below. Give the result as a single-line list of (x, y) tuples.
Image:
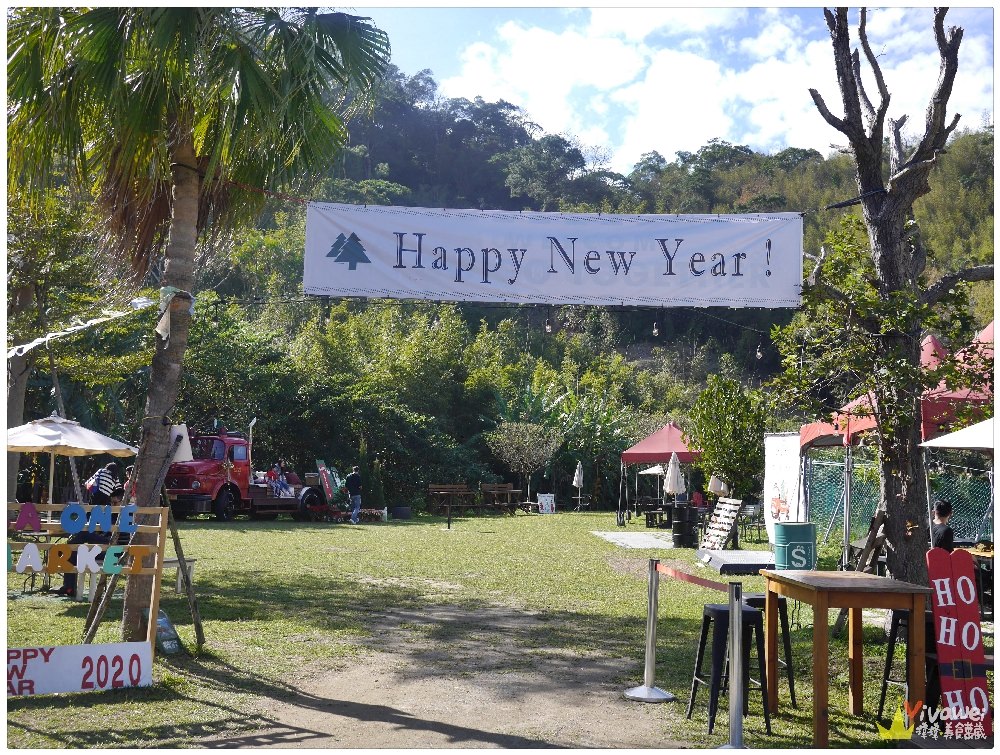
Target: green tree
[(540, 170), (727, 423), (525, 447), (179, 115), (892, 307), (51, 253)]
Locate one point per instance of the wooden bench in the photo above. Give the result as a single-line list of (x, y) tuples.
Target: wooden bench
[(447, 496), (500, 497)]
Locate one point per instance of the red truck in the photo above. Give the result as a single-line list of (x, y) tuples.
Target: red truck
[(219, 480)]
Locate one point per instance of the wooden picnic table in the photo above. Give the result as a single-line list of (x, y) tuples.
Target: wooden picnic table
[(447, 496), (500, 497)]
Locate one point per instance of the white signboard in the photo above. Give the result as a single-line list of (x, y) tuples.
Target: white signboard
[(78, 668), (752, 260), (782, 502), (546, 503)]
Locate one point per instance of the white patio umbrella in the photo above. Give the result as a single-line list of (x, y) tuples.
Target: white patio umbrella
[(63, 437), (660, 472), (674, 481)]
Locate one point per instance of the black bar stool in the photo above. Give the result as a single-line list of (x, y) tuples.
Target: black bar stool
[(898, 629), (716, 618), (758, 600)]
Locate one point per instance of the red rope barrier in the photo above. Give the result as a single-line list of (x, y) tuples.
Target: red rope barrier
[(685, 577)]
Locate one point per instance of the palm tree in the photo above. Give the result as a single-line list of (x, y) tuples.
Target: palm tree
[(179, 117)]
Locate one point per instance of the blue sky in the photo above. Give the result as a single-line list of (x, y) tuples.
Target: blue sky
[(626, 81)]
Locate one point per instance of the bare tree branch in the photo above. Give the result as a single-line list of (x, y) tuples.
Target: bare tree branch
[(936, 292), (896, 150), (829, 117), (936, 133), (876, 118), (869, 108)]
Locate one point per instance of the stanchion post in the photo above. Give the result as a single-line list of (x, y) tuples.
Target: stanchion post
[(736, 661), (648, 692)]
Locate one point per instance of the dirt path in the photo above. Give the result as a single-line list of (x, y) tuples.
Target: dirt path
[(464, 679)]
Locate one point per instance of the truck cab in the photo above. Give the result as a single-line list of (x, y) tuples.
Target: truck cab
[(216, 479)]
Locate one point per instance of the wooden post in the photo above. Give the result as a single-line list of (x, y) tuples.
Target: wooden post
[(186, 576)]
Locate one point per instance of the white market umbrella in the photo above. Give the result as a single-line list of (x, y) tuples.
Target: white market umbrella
[(657, 470), (63, 437), (674, 481)]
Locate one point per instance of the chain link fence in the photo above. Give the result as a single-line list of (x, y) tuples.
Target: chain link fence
[(824, 482)]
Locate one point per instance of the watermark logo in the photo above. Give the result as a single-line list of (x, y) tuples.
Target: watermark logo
[(935, 723), (350, 250), (898, 730)]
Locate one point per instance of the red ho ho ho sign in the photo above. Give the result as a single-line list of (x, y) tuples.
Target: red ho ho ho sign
[(961, 659)]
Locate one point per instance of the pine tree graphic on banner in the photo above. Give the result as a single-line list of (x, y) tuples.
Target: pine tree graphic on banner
[(349, 250)]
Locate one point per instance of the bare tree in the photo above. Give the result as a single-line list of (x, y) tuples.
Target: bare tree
[(899, 259)]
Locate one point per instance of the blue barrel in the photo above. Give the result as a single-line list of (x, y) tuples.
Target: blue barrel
[(794, 545)]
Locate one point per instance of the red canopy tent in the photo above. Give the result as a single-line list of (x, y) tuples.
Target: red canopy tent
[(657, 447), (938, 406), (652, 449)]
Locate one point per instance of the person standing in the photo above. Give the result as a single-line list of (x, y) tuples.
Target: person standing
[(942, 535), (103, 482), (85, 536), (353, 484)]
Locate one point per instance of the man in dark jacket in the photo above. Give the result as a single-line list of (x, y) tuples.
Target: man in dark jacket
[(353, 485)]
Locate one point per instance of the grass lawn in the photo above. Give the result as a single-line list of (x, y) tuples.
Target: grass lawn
[(276, 596)]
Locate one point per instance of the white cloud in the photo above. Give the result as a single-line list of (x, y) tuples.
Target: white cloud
[(636, 24), (637, 80), (669, 111)]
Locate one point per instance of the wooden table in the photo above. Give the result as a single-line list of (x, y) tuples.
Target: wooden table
[(854, 591)]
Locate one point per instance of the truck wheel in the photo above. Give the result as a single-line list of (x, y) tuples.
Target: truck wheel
[(225, 506), (312, 507)]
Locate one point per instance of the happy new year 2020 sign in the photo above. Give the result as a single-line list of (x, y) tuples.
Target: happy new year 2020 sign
[(752, 260)]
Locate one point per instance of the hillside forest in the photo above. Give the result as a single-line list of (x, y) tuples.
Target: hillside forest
[(418, 392)]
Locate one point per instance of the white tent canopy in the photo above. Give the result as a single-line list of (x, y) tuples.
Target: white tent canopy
[(657, 470), (975, 437), (63, 437)]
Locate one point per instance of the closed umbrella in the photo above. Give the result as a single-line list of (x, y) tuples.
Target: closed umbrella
[(674, 482), (64, 437), (578, 484)]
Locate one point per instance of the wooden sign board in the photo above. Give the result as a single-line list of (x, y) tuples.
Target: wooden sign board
[(958, 639), (721, 524), (78, 668)]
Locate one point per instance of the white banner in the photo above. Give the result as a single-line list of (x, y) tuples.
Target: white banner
[(78, 668), (782, 502), (554, 258)]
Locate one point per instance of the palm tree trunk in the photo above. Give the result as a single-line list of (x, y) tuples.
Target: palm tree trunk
[(167, 367)]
